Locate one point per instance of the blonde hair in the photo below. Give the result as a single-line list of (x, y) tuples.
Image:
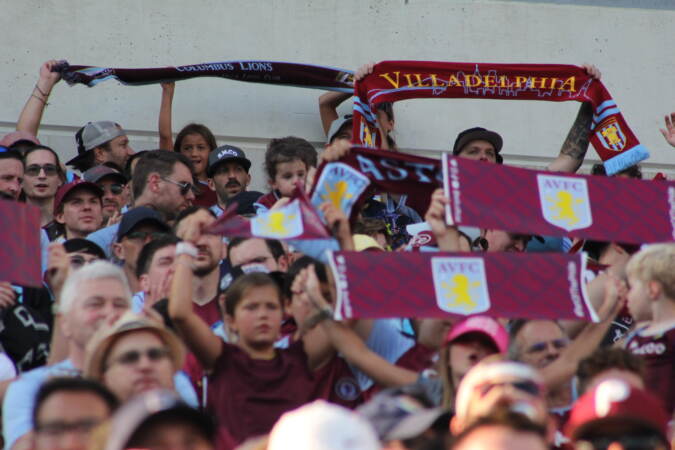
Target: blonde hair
[(655, 263)]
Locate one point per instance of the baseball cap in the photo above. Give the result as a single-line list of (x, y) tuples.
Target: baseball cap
[(83, 246), (94, 174), (615, 402), (94, 134), (138, 215), (322, 426), (227, 153), (337, 125), (99, 345), (149, 407), (481, 324), (401, 413), (15, 136), (476, 134), (67, 188)]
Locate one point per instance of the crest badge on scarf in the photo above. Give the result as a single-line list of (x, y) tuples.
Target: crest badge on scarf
[(564, 201), (460, 285)]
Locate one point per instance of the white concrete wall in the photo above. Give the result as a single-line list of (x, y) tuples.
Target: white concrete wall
[(631, 45)]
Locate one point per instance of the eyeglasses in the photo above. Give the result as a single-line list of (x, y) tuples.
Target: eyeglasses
[(143, 235), (558, 344), (628, 441), (115, 188), (185, 187), (34, 169), (77, 261), (132, 357), (526, 386), (57, 429)]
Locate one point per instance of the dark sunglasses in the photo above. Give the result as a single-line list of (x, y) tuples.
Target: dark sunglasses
[(58, 428), (34, 169), (77, 261), (185, 187), (145, 234), (115, 188), (132, 357), (559, 344), (529, 387)]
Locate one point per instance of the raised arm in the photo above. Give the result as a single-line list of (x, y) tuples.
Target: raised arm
[(164, 122), (346, 341), (31, 114), (328, 104), (339, 225), (669, 131), (563, 368), (574, 148), (194, 331), (447, 237)]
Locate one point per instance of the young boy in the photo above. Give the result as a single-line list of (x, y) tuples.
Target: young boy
[(287, 161), (651, 300)]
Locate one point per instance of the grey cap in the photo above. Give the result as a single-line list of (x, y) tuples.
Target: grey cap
[(95, 134), (337, 125)]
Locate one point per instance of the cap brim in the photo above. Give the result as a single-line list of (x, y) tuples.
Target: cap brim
[(414, 425), (79, 158), (245, 163)]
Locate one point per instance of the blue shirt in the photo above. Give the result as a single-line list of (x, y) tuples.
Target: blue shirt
[(105, 237), (17, 419)]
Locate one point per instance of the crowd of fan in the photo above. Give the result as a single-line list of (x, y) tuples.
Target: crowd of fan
[(150, 333)]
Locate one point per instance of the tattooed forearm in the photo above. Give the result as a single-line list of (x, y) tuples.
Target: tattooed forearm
[(576, 143)]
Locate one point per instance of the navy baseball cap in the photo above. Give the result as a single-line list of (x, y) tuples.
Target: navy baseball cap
[(227, 153), (138, 215)]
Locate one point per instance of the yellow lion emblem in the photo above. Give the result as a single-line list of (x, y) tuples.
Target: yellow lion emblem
[(563, 207), (336, 195), (275, 222), (612, 135), (458, 293)]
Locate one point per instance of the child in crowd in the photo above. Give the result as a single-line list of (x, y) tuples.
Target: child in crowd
[(651, 302), (195, 141), (288, 162)]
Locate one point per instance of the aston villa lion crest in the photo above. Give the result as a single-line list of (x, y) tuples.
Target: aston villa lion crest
[(460, 285), (281, 223), (340, 185), (565, 202), (611, 136)]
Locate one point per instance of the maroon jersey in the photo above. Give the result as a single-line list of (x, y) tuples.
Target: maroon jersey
[(658, 353), (206, 197), (209, 313), (248, 395), (268, 200), (335, 382)]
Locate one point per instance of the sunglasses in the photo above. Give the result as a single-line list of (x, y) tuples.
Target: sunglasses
[(132, 357), (185, 187), (77, 261), (56, 429), (143, 235), (115, 188), (558, 344), (526, 386), (34, 169)]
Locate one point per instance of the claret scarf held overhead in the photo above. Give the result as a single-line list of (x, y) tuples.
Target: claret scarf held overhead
[(392, 81), (268, 72)]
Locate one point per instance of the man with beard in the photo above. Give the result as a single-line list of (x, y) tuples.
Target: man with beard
[(11, 174), (228, 174), (161, 180), (207, 256)]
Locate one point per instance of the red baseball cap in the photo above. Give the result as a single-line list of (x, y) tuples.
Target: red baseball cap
[(616, 402), (481, 324), (65, 189)]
